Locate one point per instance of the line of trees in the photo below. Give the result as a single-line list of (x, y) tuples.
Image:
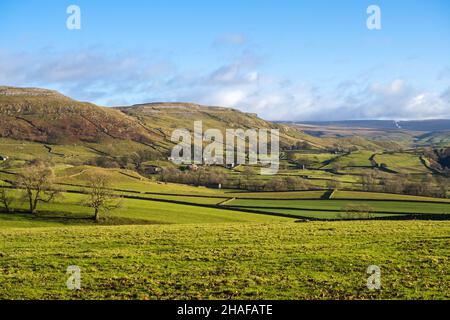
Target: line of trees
[(405, 184), (246, 180), (198, 177), (276, 184), (132, 161)]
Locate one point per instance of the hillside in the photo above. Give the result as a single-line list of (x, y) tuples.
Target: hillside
[(164, 117), (47, 116)]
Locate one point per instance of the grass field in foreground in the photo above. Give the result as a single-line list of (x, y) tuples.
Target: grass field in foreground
[(318, 260)]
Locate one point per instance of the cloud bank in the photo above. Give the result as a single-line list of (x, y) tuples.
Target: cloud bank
[(122, 79)]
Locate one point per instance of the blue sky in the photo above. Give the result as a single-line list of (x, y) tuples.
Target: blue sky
[(285, 59)]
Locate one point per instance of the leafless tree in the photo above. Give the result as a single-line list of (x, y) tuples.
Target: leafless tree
[(357, 211), (37, 180), (100, 196)]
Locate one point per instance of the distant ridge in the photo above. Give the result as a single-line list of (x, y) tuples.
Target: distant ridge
[(413, 125), (30, 92), (183, 106)]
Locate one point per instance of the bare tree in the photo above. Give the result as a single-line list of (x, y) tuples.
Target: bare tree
[(357, 211), (37, 180), (5, 199), (199, 176), (100, 196), (247, 172)]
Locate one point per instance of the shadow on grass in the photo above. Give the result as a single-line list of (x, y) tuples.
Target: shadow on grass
[(417, 216), (397, 217), (72, 219)]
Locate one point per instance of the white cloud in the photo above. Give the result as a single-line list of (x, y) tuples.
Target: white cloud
[(122, 79)]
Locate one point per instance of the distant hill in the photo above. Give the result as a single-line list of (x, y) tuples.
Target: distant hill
[(415, 125)]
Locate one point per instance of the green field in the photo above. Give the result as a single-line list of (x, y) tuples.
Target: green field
[(383, 196), (179, 241), (278, 195), (69, 210), (337, 205), (313, 260), (402, 162), (355, 159)]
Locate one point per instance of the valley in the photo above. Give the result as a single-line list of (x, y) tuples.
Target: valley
[(343, 198)]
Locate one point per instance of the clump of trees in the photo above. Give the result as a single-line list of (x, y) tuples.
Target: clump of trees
[(132, 161), (301, 145), (369, 181), (302, 161), (429, 186), (276, 184), (287, 184), (246, 180), (198, 177)]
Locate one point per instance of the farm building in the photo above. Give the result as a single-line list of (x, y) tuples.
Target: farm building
[(151, 169)]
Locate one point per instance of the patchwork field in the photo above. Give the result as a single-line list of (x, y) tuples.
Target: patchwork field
[(68, 210), (340, 205), (171, 240)]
